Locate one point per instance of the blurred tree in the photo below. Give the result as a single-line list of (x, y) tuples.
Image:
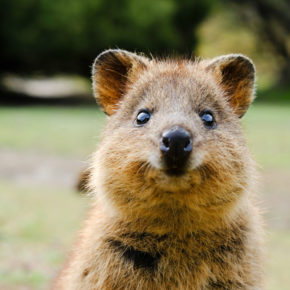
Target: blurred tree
[(271, 21), (64, 36)]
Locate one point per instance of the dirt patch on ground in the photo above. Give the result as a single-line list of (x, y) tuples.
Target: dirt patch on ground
[(28, 168)]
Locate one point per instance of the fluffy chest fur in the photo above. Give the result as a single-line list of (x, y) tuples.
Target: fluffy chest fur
[(123, 258)]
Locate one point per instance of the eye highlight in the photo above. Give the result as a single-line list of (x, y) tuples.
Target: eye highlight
[(208, 119), (142, 118)]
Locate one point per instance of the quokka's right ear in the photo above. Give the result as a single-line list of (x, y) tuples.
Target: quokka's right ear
[(113, 71), (235, 73)]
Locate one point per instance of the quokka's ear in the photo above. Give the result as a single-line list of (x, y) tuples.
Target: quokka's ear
[(236, 75), (113, 71)]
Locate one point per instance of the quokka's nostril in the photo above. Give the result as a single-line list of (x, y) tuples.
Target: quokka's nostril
[(187, 142), (188, 146), (165, 142)]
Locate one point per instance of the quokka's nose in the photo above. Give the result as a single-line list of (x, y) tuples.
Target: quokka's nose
[(176, 145)]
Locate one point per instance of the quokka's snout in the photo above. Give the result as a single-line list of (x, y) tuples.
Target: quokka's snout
[(179, 146), (176, 147)]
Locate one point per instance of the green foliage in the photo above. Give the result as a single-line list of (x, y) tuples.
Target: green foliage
[(66, 35)]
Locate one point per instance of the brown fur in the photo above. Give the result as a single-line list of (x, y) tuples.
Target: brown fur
[(82, 183), (148, 230)]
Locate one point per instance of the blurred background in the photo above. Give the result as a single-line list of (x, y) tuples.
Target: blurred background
[(50, 124)]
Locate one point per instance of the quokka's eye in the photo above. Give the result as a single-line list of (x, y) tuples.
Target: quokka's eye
[(143, 117), (208, 119)]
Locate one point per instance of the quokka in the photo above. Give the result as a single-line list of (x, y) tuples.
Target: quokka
[(172, 180)]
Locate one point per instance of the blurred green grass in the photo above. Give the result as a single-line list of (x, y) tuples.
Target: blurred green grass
[(38, 225), (267, 129), (68, 131)]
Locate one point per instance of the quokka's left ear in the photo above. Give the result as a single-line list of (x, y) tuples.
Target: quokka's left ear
[(236, 75), (113, 71)]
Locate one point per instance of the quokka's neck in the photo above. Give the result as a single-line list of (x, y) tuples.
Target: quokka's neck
[(158, 212), (163, 219), (156, 230)]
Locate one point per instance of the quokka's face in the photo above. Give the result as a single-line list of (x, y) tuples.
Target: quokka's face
[(173, 126)]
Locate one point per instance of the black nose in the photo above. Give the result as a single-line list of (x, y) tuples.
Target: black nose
[(176, 145)]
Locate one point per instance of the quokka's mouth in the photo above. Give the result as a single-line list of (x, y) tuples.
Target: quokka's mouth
[(175, 171)]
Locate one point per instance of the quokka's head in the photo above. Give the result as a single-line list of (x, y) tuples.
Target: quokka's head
[(173, 127)]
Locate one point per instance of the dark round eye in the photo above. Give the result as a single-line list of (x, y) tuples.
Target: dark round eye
[(143, 117), (208, 119)]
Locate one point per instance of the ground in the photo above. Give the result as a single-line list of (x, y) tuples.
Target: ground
[(42, 150)]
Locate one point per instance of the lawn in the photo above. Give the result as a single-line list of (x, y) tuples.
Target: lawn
[(38, 223), (267, 128), (68, 131)]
